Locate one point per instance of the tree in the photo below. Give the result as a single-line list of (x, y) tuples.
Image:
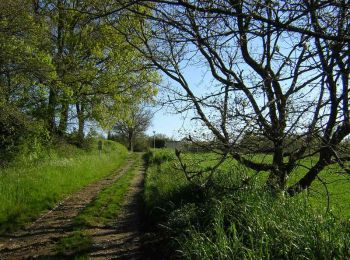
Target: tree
[(279, 69), (24, 65), (97, 71), (61, 64), (135, 124)]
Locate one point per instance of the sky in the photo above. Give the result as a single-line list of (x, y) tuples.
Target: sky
[(166, 121), (167, 124)]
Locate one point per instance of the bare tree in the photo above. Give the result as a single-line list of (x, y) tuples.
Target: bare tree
[(279, 69), (134, 125)]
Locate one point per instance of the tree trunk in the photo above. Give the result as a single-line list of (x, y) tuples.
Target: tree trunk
[(62, 128), (130, 140), (277, 179), (57, 61), (81, 124), (51, 111)]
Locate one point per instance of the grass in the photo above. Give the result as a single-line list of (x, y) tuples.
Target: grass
[(30, 188), (329, 192), (224, 222), (77, 243)]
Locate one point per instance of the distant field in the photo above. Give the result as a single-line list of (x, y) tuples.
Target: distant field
[(29, 188), (332, 180)]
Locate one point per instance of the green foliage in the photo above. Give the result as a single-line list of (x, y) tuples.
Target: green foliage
[(56, 56), (157, 142), (232, 220), (159, 156), (24, 64), (29, 188), (19, 137), (141, 144)]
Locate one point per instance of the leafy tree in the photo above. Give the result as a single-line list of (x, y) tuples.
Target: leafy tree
[(24, 65), (134, 125), (61, 63), (97, 71)]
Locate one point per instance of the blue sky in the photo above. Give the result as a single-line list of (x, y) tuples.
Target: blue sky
[(167, 122)]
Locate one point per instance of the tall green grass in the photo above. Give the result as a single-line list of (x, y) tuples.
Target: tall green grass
[(28, 188), (329, 192), (232, 221)]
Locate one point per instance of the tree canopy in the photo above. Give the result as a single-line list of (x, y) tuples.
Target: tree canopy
[(61, 65), (134, 125)]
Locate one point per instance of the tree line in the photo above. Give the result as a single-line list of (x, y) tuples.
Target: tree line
[(62, 66)]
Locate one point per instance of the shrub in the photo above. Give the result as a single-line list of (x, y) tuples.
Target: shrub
[(20, 137)]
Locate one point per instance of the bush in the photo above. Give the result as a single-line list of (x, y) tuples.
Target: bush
[(141, 144), (20, 137)]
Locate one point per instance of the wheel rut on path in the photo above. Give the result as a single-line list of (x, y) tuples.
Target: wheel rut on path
[(120, 240)]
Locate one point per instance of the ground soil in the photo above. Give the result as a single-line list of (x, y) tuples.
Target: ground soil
[(121, 240)]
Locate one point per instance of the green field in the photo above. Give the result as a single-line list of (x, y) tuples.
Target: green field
[(330, 191), (28, 189), (228, 220)]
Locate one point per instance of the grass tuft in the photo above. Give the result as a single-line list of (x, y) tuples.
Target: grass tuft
[(76, 243)]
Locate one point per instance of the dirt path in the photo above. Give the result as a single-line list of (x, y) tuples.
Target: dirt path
[(120, 240)]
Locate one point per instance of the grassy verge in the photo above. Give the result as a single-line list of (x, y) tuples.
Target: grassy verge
[(28, 189), (228, 222), (329, 192)]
